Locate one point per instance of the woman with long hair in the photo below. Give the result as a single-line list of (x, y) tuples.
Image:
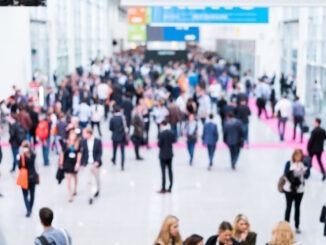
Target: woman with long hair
[(27, 160), (169, 234), (69, 161), (282, 234), (294, 173), (241, 231)]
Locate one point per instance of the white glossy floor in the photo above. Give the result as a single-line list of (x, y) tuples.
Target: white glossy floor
[(129, 211)]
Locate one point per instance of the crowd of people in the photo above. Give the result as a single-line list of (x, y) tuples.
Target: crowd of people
[(181, 99)]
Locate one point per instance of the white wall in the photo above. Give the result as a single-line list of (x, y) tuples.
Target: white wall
[(267, 37), (15, 51)]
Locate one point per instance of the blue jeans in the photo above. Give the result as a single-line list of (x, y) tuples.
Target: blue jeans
[(15, 152), (83, 124), (245, 130), (174, 129), (211, 152), (191, 149), (281, 126), (46, 151), (28, 136)]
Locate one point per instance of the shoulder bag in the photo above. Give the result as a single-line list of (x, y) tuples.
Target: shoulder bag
[(22, 179), (281, 183), (322, 218)]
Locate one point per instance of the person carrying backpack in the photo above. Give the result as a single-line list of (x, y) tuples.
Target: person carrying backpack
[(50, 234), (17, 135), (43, 133)]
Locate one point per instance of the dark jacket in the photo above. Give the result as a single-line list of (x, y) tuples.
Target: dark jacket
[(213, 239), (14, 130), (30, 165), (61, 128), (166, 139), (232, 132), (210, 135), (97, 152), (250, 240), (175, 114), (34, 117), (138, 124), (316, 141), (117, 128), (243, 113), (127, 109)]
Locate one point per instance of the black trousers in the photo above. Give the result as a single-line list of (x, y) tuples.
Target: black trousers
[(29, 197), (122, 148), (234, 153), (291, 197), (318, 155), (261, 104), (98, 125), (298, 120), (166, 163), (137, 142)]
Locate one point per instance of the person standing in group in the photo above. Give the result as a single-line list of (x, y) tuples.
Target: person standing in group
[(262, 93), (24, 118), (210, 138), (243, 113), (70, 162), (283, 234), (43, 133), (34, 117), (147, 120), (119, 130), (50, 234), (222, 103), (215, 90), (166, 139), (316, 145), (298, 112), (224, 235), (174, 116), (194, 240), (204, 105), (160, 114), (294, 173), (61, 128), (97, 113), (84, 113), (138, 134), (27, 161), (283, 109), (17, 135), (91, 159), (248, 82), (233, 137), (127, 108), (190, 132), (169, 233), (242, 232)]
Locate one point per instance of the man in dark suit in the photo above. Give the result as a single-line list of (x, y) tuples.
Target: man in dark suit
[(210, 138), (92, 160), (6, 2), (138, 134), (233, 137), (316, 144), (32, 2), (119, 129), (166, 139), (127, 108)]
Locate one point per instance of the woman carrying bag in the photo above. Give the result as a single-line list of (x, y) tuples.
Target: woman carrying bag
[(28, 177)]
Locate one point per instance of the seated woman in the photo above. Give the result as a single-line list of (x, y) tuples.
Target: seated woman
[(241, 231)]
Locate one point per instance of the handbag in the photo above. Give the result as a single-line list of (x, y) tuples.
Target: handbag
[(322, 218), (305, 128), (22, 179), (60, 175), (127, 136), (281, 183)]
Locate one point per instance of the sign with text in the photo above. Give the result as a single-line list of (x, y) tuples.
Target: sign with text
[(169, 33)]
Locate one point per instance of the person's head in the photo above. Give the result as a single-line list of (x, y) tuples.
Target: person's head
[(317, 122), (297, 98), (211, 116), (170, 229), (240, 225), (26, 146), (229, 115), (87, 133), (72, 136), (194, 240), (297, 155), (282, 234), (163, 124), (117, 109), (191, 117), (243, 102), (46, 217), (225, 232)]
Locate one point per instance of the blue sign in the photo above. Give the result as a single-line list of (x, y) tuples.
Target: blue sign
[(184, 34), (209, 15)]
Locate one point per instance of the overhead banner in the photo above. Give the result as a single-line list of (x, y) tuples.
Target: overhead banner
[(167, 33), (137, 33), (165, 56), (137, 15), (208, 15)]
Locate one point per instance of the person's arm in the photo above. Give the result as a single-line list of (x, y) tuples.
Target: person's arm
[(78, 161), (61, 157), (216, 133), (111, 124)]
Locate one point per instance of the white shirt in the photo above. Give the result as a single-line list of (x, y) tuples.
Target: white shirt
[(215, 90), (84, 112), (204, 106), (90, 146), (102, 91), (181, 102), (97, 112), (299, 169), (160, 114), (285, 108)]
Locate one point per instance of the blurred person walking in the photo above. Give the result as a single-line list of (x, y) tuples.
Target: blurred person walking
[(191, 134), (210, 138)]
